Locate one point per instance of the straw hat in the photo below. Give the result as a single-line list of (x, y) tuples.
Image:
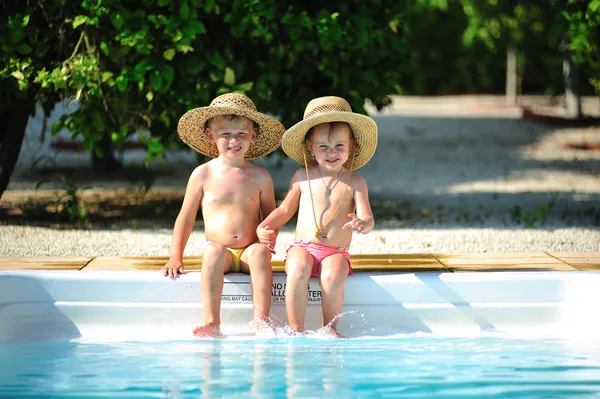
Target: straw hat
[(191, 126), (332, 109)]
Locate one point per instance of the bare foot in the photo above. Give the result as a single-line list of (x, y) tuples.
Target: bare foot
[(207, 330), (263, 324), (335, 333)]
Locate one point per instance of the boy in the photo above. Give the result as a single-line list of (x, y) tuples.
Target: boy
[(330, 141), (234, 194)]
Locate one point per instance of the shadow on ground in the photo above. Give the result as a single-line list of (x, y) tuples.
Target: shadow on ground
[(427, 171)]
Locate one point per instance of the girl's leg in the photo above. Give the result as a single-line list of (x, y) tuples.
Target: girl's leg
[(298, 266), (334, 270)]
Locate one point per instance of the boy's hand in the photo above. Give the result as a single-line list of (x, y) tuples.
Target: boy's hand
[(266, 236), (173, 268), (355, 224)]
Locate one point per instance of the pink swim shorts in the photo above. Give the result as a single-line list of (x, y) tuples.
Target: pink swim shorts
[(320, 252)]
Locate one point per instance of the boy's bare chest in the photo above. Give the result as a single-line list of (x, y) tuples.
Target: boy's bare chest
[(225, 190)]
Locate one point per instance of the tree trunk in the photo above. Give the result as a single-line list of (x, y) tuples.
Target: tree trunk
[(572, 97), (511, 76), (108, 162), (15, 119)]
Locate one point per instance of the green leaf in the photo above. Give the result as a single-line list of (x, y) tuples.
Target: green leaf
[(214, 76), (104, 48), (244, 87), (156, 80), (25, 21), (18, 75), (229, 78), (288, 18), (106, 76), (184, 48), (122, 83), (209, 5), (16, 35), (184, 11), (149, 96), (193, 28), (24, 48), (80, 20), (117, 20), (195, 65), (169, 54), (168, 73), (216, 59), (162, 3), (154, 145)]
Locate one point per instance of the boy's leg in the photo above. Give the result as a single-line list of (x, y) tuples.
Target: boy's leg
[(298, 267), (334, 270), (256, 260), (216, 261)]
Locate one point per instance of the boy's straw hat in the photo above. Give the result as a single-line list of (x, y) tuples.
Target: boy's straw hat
[(191, 126), (332, 109)]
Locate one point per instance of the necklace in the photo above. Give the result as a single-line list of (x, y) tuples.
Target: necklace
[(321, 228), (328, 190)]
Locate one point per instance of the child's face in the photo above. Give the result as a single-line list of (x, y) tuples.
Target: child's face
[(232, 136), (330, 144)]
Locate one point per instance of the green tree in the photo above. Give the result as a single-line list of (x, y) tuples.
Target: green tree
[(544, 35), (137, 66)]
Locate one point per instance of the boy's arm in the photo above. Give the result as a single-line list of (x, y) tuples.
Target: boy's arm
[(267, 196), (362, 220), (267, 205), (185, 223)]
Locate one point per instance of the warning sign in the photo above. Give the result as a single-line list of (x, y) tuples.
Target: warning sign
[(240, 292), (278, 293)]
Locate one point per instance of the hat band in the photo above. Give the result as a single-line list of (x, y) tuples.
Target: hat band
[(318, 111)]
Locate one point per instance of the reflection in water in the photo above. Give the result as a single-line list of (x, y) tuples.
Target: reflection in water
[(304, 366), (211, 370)]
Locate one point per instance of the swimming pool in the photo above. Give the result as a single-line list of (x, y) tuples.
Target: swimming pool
[(127, 334)]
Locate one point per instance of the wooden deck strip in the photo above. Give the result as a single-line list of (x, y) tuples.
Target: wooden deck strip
[(586, 261), (191, 263), (360, 263), (502, 261), (408, 263), (44, 263)]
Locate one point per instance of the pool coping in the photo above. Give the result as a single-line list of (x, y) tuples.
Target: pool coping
[(361, 263)]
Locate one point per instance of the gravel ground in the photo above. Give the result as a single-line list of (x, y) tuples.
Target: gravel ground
[(468, 182), (20, 241)]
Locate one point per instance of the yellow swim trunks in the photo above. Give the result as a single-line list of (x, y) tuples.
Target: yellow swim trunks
[(236, 254)]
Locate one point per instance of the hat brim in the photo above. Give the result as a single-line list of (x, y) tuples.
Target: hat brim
[(191, 131), (363, 128)]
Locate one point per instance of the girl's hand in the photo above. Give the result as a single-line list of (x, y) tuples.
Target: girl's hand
[(355, 224), (266, 236)]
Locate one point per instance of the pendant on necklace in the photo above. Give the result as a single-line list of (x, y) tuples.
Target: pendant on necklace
[(328, 191)]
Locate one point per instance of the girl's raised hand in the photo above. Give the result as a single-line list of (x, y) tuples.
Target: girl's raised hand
[(355, 224)]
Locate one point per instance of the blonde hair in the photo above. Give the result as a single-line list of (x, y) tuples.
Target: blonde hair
[(333, 126), (231, 117)]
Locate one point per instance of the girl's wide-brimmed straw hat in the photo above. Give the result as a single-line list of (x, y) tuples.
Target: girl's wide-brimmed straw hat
[(192, 126), (326, 110)]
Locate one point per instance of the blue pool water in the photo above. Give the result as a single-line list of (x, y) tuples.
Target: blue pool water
[(303, 367)]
